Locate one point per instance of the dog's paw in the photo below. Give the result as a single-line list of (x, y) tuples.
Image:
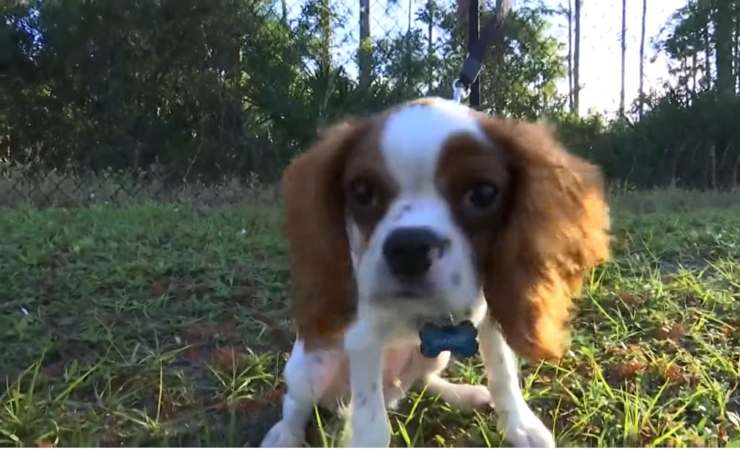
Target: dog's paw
[(281, 435), (524, 429), (474, 397), (366, 439), (463, 396), (373, 432)]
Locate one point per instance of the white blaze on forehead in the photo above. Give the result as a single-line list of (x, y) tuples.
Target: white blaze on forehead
[(412, 139)]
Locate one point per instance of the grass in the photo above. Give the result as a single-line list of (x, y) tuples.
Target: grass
[(168, 325)]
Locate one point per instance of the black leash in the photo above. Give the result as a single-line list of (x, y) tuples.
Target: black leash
[(471, 68)]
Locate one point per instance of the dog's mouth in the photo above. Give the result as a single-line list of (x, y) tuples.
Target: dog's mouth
[(413, 290), (410, 293)]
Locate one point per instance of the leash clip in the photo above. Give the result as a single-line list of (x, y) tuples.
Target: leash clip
[(459, 91)]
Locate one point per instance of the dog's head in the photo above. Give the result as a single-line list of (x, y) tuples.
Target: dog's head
[(423, 207)]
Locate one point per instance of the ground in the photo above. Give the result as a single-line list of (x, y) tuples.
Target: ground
[(168, 325)]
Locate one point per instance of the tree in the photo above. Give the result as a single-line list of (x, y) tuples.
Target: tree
[(366, 45), (569, 13), (641, 91), (325, 27), (503, 7), (428, 16), (688, 39), (707, 50), (737, 45), (624, 55), (722, 15), (577, 59), (523, 82)]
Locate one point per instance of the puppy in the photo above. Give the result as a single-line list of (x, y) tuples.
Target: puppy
[(426, 214)]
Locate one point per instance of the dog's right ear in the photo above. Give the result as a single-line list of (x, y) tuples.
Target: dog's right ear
[(323, 286)]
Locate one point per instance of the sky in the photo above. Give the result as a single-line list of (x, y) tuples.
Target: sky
[(600, 43), (601, 23)]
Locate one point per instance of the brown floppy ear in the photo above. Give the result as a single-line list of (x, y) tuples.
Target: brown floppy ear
[(555, 229), (321, 270)]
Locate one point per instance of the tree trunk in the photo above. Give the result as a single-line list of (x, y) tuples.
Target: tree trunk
[(570, 55), (736, 14), (641, 91), (694, 68), (707, 57), (502, 11), (735, 180), (677, 153), (712, 167), (284, 10), (577, 59), (365, 50), (722, 164), (624, 56), (723, 47), (326, 34), (408, 26), (431, 9)]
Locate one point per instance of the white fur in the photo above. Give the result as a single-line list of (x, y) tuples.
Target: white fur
[(412, 139), (364, 346), (517, 421), (308, 377), (381, 347)]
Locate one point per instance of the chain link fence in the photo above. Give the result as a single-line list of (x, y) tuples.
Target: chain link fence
[(203, 102)]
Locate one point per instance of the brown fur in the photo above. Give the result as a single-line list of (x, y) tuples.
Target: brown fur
[(463, 162), (321, 271), (555, 228), (365, 162)]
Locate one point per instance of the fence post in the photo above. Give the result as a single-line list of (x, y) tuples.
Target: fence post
[(473, 36)]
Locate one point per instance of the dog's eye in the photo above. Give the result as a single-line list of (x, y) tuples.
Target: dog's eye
[(362, 193), (481, 196)]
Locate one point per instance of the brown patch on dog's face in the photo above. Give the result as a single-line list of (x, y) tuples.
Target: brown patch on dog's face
[(473, 178), (368, 186)]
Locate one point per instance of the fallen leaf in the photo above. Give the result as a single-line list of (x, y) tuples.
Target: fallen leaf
[(280, 337), (629, 299), (276, 394), (675, 374), (53, 370), (244, 295), (195, 353), (226, 357), (647, 434), (200, 333), (158, 289), (672, 332), (628, 369)]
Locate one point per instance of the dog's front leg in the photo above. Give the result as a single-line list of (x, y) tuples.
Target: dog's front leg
[(369, 419), (520, 425)]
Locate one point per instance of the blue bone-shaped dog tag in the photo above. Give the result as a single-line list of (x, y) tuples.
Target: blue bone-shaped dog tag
[(459, 339)]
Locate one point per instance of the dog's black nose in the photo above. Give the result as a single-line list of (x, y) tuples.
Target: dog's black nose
[(410, 251)]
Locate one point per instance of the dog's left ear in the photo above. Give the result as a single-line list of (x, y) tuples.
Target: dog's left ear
[(555, 229)]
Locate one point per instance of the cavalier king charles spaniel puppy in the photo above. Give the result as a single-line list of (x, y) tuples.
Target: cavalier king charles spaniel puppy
[(431, 213)]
